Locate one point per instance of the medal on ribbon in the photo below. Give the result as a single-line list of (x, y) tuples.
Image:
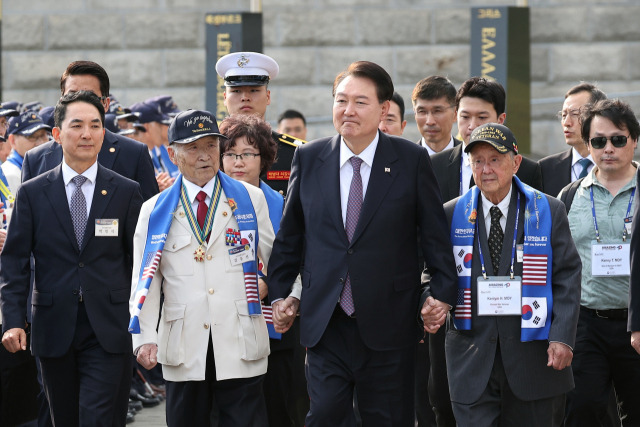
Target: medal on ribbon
[(201, 233)]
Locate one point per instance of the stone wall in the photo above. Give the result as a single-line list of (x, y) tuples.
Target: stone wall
[(151, 47)]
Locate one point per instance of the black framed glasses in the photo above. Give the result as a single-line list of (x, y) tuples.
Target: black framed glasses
[(599, 142), (243, 156)]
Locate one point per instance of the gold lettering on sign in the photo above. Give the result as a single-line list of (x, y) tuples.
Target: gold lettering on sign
[(489, 13), (223, 47), (234, 18), (488, 43)]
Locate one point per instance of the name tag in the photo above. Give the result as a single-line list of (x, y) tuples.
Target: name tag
[(627, 224), (106, 228), (241, 254), (499, 296), (610, 259)]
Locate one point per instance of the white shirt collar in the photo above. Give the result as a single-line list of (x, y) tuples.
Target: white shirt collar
[(575, 157), (366, 155), (430, 151), (503, 205), (68, 174), (193, 189)]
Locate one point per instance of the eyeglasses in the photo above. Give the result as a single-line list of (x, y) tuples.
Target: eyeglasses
[(563, 115), (244, 156), (600, 141)]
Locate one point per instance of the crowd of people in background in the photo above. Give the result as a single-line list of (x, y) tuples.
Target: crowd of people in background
[(248, 278)]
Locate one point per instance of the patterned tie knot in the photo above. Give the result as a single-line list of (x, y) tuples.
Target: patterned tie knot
[(496, 213), (201, 196), (78, 180), (355, 163)]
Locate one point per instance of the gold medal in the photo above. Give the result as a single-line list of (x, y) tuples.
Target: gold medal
[(198, 255)]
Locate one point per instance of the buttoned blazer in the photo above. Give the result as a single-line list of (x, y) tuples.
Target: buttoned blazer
[(122, 155), (401, 202), (471, 354), (202, 300), (556, 172), (41, 224), (446, 165)]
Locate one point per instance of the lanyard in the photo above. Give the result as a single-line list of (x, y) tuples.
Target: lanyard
[(513, 248), (461, 166), (595, 222)]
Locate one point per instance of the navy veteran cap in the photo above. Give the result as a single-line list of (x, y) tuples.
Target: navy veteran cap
[(46, 114), (117, 109), (12, 105), (498, 136), (136, 127), (149, 113), (191, 125), (167, 105), (26, 124), (7, 111), (111, 123), (34, 107), (247, 69)]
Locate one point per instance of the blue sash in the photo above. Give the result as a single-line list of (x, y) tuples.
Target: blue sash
[(275, 202), (537, 296), (15, 158), (160, 221), (171, 168)]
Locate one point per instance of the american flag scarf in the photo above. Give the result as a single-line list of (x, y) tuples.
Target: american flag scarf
[(537, 297), (160, 221)]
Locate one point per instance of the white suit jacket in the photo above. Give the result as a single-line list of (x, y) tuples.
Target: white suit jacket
[(202, 299)]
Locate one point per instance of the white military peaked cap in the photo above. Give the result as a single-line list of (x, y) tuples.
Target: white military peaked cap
[(247, 69)]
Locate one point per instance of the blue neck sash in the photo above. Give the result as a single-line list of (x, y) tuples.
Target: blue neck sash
[(15, 158), (170, 167), (160, 221), (537, 297), (275, 202)]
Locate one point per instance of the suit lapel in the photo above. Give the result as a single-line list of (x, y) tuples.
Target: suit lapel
[(565, 164), (109, 150), (102, 194), (328, 180), (221, 218), (57, 196), (52, 158), (382, 176), (453, 171)]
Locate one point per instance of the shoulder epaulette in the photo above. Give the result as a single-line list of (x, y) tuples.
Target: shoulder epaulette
[(288, 139)]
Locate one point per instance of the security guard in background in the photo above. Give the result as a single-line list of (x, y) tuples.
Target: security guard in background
[(246, 76)]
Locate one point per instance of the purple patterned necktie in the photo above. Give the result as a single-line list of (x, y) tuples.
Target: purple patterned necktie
[(78, 208), (354, 205)]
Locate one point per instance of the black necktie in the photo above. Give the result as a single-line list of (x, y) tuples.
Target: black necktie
[(495, 238)]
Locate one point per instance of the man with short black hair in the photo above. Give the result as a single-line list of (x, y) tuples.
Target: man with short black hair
[(293, 123), (600, 220), (563, 168), (78, 221), (394, 123), (125, 156), (355, 235), (434, 106)]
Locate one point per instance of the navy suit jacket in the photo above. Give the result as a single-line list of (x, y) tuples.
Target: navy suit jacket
[(401, 203), (634, 288), (123, 155), (446, 165), (556, 172), (471, 354), (41, 224)]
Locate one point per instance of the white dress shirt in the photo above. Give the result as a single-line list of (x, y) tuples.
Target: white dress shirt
[(346, 171), (576, 168), (503, 206), (193, 190), (430, 150), (87, 188)]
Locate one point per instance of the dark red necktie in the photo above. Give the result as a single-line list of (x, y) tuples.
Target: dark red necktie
[(202, 208)]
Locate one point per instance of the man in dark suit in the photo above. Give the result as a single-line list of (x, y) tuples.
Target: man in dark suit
[(434, 106), (633, 325), (508, 363), (356, 204), (123, 155), (78, 221), (561, 169), (478, 101)]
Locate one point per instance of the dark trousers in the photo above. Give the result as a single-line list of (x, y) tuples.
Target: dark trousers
[(278, 388), (603, 357), (424, 412), (341, 362), (499, 407), (87, 386), (439, 382), (18, 387), (239, 402)]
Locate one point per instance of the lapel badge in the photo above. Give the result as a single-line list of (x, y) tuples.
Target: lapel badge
[(104, 192), (387, 170), (232, 204), (181, 214), (112, 150), (224, 213)]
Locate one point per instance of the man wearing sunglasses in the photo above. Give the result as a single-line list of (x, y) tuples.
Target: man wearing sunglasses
[(600, 218)]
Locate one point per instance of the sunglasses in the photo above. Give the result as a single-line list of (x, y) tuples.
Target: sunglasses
[(600, 141)]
